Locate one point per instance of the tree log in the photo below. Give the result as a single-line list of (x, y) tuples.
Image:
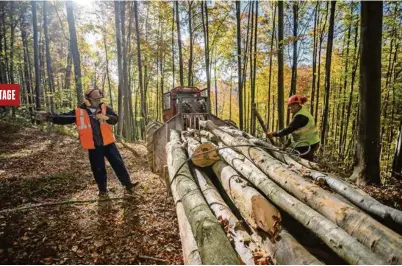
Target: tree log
[(233, 227), (199, 152), (255, 209), (354, 195), (337, 239), (213, 245), (191, 255), (235, 186)]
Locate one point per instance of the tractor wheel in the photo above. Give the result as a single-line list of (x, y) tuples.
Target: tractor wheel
[(150, 130)]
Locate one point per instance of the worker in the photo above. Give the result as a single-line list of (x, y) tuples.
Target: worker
[(304, 135), (94, 121)]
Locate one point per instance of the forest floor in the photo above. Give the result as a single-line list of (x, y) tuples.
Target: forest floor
[(38, 167), (78, 227)]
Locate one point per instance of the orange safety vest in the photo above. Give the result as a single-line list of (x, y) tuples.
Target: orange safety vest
[(85, 130)]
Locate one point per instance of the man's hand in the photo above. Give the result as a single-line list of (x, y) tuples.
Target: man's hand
[(270, 134), (102, 117)]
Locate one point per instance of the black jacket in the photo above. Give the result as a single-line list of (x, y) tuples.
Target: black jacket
[(297, 122), (69, 118)]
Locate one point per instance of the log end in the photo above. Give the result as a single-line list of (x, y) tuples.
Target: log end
[(205, 155)]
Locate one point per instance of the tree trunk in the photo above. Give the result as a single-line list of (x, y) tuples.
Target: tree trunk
[(269, 122), (48, 58), (239, 57), (137, 30), (179, 44), (367, 170), (36, 56), (397, 162), (316, 14), (204, 15), (294, 57), (328, 60), (213, 245), (27, 74), (74, 50), (371, 233), (107, 70), (173, 53), (281, 90), (190, 30)]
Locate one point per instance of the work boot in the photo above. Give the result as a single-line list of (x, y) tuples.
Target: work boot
[(130, 186), (102, 193)]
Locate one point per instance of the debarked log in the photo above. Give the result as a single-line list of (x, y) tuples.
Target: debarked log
[(337, 239), (236, 187), (234, 229), (213, 245)]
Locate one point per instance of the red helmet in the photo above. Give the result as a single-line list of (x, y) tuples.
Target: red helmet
[(297, 99)]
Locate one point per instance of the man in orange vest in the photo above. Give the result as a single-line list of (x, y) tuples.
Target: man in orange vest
[(94, 121)]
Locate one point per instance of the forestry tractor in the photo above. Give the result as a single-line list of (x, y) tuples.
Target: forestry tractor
[(183, 108)]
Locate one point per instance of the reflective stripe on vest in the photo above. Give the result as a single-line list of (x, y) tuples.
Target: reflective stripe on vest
[(85, 130), (306, 135)]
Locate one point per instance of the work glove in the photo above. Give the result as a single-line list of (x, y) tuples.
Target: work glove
[(102, 117)]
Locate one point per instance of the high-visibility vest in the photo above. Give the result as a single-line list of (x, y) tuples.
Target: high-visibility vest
[(85, 130), (307, 135)]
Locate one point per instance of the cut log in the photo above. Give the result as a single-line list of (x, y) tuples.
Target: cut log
[(212, 243), (336, 238), (150, 130), (233, 227), (255, 209), (238, 191), (356, 196), (368, 231), (201, 155), (191, 256)]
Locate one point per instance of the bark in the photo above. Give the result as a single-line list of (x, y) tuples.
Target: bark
[(179, 44), (204, 15), (294, 57), (36, 56), (27, 74), (371, 233), (118, 26), (191, 255), (107, 70), (239, 72), (397, 162), (75, 51), (367, 170), (354, 195), (190, 30), (241, 240), (213, 245), (48, 58), (140, 80), (254, 208), (281, 90), (328, 61), (173, 53), (314, 59), (253, 90), (269, 122)]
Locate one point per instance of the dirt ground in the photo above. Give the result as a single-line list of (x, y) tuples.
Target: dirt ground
[(38, 167)]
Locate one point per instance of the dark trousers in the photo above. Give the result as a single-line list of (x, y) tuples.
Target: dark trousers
[(310, 155), (97, 160)]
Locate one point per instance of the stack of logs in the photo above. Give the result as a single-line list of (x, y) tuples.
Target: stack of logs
[(256, 204)]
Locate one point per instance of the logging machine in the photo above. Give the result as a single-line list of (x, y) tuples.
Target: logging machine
[(183, 108)]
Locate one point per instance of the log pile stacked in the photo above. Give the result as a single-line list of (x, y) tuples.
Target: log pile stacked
[(241, 200)]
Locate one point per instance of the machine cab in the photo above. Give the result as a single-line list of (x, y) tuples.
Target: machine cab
[(184, 100)]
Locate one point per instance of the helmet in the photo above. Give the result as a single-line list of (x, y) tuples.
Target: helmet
[(94, 94), (297, 99)]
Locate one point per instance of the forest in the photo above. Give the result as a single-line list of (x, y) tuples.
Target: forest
[(247, 54)]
